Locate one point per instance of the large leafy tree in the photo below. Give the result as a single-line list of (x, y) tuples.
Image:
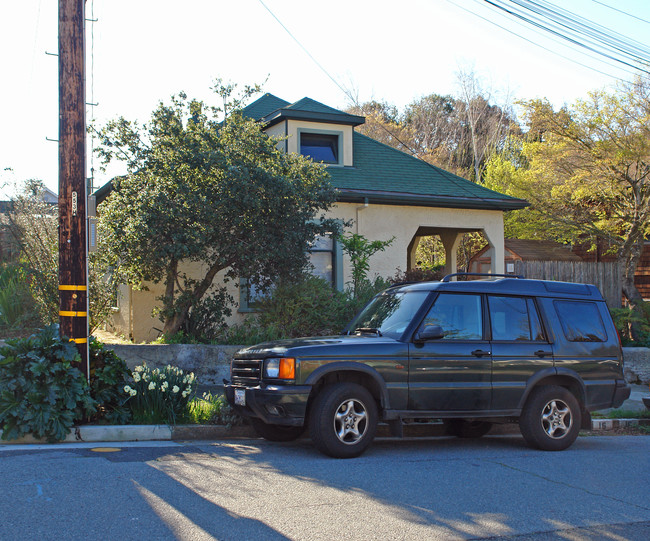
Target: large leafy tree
[(211, 190), (586, 169)]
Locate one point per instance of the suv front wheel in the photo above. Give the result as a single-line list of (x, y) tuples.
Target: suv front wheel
[(343, 420), (551, 418)]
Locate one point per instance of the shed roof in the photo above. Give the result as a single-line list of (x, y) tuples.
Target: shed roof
[(545, 250)]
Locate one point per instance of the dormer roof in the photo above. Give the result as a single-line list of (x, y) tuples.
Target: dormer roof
[(270, 109)]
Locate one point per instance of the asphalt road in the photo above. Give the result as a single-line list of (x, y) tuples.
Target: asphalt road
[(436, 488)]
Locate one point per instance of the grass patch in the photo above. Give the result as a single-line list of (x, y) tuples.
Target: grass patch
[(211, 409), (623, 414)]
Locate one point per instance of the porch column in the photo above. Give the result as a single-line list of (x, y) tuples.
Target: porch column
[(412, 261), (497, 250), (450, 241)]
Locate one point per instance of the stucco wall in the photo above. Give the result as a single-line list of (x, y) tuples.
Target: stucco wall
[(381, 222)]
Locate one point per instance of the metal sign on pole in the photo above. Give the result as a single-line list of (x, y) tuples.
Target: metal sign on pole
[(73, 268)]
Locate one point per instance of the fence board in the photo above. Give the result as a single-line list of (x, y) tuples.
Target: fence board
[(605, 276)]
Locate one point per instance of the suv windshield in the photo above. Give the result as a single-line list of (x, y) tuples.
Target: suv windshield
[(388, 314)]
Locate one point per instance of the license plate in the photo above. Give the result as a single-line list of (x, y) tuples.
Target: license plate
[(240, 397)]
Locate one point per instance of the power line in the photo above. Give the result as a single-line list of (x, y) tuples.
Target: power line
[(577, 30), (346, 92), (621, 11), (536, 44)]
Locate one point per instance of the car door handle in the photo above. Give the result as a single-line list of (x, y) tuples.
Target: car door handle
[(480, 353), (541, 353)]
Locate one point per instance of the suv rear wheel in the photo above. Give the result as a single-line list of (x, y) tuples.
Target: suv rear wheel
[(343, 420), (551, 418)]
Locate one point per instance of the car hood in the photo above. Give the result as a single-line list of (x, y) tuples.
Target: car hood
[(300, 347)]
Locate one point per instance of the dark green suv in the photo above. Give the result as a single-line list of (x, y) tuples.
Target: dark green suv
[(469, 353)]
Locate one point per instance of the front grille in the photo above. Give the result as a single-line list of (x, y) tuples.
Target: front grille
[(246, 371)]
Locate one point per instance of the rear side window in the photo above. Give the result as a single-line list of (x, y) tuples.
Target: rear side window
[(514, 318), (581, 321)]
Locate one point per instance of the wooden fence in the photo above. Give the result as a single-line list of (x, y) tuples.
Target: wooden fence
[(605, 276)]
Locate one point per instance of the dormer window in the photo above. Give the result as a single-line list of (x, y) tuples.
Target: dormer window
[(321, 147)]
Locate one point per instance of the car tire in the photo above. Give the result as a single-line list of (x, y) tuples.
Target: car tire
[(276, 432), (467, 428), (551, 418), (343, 420)]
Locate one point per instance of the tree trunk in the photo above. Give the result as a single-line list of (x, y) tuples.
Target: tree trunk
[(176, 315), (631, 255)]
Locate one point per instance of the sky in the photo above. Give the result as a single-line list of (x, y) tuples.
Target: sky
[(140, 52)]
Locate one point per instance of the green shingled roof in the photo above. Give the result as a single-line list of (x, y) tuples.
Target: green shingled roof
[(263, 106), (383, 173), (271, 110)]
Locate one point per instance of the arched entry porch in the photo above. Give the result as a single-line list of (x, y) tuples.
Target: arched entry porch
[(450, 238)]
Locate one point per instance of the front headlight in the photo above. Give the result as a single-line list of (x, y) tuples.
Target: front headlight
[(272, 368), (283, 368)]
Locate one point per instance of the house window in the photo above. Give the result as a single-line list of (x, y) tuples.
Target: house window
[(320, 147)]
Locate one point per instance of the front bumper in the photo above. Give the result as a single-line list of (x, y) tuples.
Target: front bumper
[(284, 405)]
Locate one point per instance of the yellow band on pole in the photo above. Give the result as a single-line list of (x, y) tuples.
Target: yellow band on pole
[(73, 314), (73, 288), (79, 340)]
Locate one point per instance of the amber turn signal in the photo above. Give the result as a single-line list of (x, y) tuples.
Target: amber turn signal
[(287, 368)]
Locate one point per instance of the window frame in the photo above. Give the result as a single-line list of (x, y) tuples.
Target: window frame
[(313, 131)]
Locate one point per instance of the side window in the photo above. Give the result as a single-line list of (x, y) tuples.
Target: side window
[(460, 316), (514, 318), (581, 321)]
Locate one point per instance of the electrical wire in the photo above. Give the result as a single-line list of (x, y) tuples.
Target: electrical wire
[(536, 44), (578, 31), (621, 11)]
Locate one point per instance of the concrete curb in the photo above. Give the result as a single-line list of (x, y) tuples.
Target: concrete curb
[(124, 433)]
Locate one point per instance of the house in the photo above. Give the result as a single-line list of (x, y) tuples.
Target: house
[(384, 192), (522, 250)]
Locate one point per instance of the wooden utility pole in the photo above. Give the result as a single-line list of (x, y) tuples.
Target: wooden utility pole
[(73, 269)]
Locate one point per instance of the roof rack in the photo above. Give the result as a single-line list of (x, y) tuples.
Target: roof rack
[(489, 275)]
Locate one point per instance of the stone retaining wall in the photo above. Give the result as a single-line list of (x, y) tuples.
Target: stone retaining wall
[(637, 365), (211, 364)]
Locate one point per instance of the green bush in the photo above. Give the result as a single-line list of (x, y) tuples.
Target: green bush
[(41, 393), (435, 273), (108, 376), (625, 318), (310, 307), (159, 395)]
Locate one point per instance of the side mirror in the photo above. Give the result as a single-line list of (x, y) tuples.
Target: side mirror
[(430, 332)]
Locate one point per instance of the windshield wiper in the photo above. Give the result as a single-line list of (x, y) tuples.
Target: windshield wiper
[(367, 330)]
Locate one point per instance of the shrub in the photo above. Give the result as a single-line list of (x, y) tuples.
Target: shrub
[(159, 396), (419, 275), (248, 333), (108, 376), (310, 307), (625, 318), (41, 392)]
